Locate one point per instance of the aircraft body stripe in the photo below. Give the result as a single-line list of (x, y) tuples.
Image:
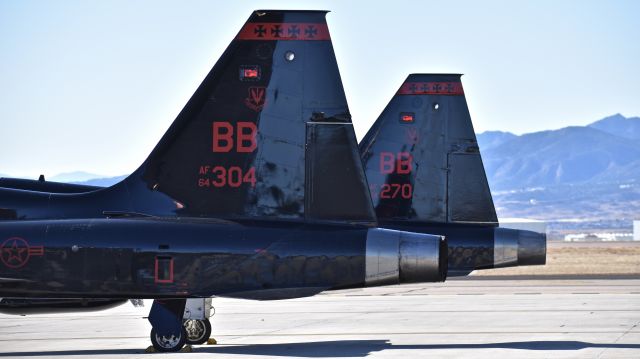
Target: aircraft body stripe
[(36, 250)]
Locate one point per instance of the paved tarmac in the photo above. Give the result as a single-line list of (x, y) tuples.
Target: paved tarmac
[(468, 318)]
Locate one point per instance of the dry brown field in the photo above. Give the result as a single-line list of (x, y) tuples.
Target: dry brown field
[(581, 258)]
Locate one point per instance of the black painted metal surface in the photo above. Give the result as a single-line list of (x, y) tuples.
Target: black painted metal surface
[(470, 247), (422, 158), (123, 257), (425, 174)]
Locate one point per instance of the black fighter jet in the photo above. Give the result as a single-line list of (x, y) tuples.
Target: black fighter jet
[(425, 175), (257, 190)]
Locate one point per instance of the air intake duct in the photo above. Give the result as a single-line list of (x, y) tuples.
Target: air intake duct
[(394, 257)]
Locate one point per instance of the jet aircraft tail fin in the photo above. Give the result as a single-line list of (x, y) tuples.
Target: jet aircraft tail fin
[(267, 134), (422, 158)]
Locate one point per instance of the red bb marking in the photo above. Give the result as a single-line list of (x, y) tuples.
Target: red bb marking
[(223, 137), (387, 162), (244, 137), (400, 163), (403, 165)]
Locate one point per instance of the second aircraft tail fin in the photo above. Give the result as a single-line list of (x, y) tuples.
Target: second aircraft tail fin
[(422, 158)]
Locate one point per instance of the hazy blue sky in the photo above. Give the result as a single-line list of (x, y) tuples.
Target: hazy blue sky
[(87, 85)]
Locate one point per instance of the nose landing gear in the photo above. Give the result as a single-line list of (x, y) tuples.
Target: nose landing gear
[(177, 322), (167, 333), (168, 343)]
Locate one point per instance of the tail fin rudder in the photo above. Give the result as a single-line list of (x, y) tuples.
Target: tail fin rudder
[(422, 158), (267, 134)]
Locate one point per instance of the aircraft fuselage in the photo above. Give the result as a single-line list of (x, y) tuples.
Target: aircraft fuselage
[(162, 258)]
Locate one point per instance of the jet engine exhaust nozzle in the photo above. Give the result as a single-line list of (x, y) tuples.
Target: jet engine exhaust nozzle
[(394, 257), (514, 247)]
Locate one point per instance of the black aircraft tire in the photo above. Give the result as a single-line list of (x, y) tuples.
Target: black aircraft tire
[(203, 331), (166, 345)]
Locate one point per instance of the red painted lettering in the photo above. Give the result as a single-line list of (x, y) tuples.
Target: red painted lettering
[(221, 176), (250, 177), (233, 177), (407, 191), (204, 170), (403, 164), (244, 137), (386, 162), (395, 190), (384, 193), (222, 136)]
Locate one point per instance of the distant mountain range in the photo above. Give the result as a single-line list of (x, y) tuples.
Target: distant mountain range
[(604, 151), (76, 176), (589, 175), (102, 182), (490, 139), (620, 126)]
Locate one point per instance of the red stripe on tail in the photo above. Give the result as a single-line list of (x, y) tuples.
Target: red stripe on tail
[(284, 31), (431, 88)]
